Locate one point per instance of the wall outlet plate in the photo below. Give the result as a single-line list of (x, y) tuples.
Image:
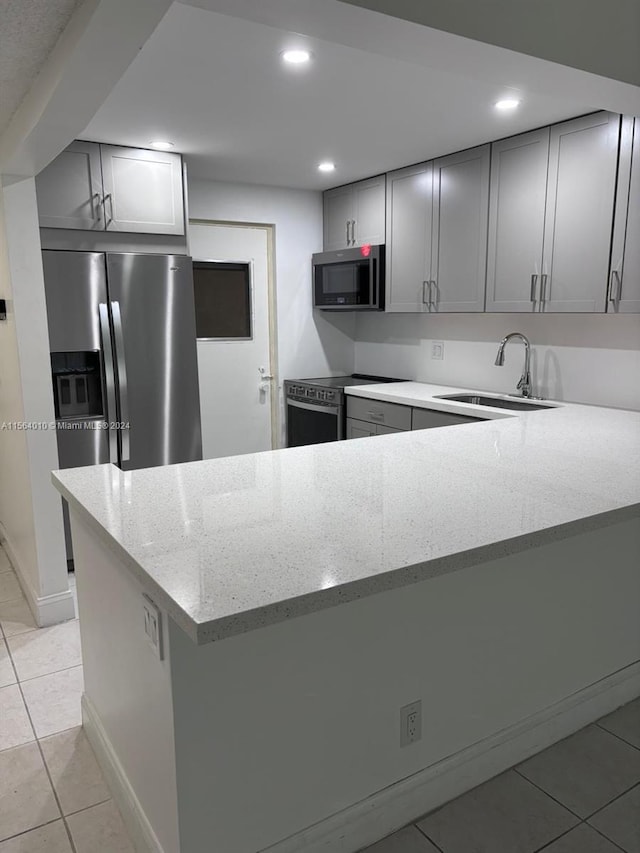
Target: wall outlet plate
[(437, 350), (411, 723), (153, 625)]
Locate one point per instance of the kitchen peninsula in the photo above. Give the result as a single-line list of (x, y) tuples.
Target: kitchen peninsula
[(489, 570)]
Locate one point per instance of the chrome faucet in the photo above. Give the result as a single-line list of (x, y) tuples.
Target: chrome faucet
[(524, 383)]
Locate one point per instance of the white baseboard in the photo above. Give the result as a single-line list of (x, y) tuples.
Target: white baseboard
[(47, 609), (406, 801), (133, 815)]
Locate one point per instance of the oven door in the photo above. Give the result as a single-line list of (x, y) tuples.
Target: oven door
[(309, 423)]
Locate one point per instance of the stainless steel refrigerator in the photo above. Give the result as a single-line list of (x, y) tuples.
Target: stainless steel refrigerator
[(123, 359)]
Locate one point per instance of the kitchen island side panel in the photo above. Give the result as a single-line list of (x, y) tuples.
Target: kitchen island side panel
[(127, 690), (283, 727)]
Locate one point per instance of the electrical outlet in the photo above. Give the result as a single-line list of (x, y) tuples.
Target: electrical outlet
[(153, 624), (437, 350), (411, 723)]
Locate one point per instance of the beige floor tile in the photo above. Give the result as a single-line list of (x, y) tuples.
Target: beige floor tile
[(16, 617), (46, 650), (51, 838), (407, 840), (10, 589), (625, 723), (100, 828), (586, 771), (7, 675), (26, 796), (15, 726), (620, 821), (506, 814), (76, 777), (54, 701)]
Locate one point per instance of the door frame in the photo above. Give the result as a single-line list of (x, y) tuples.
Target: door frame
[(272, 367)]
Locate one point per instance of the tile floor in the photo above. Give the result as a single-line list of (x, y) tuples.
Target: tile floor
[(581, 795), (53, 798)]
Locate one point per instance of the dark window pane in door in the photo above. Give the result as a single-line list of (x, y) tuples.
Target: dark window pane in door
[(223, 299)]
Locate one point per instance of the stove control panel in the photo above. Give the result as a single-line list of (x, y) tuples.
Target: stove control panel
[(312, 393)]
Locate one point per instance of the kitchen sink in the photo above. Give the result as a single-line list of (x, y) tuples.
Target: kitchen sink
[(497, 402)]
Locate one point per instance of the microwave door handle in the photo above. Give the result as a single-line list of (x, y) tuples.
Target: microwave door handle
[(109, 381), (123, 388), (373, 292)]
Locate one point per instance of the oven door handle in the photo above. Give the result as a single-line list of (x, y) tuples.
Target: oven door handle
[(330, 410)]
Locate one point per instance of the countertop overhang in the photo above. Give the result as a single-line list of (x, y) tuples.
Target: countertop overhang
[(234, 544)]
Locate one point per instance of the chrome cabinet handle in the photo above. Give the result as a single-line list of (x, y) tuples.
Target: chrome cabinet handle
[(96, 203), (110, 413), (615, 287), (544, 278), (354, 239), (348, 232), (426, 299), (434, 302), (104, 200), (123, 388), (534, 284), (378, 416)]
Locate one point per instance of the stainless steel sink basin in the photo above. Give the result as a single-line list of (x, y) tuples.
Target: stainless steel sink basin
[(496, 402)]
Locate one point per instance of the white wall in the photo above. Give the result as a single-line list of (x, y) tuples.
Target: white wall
[(30, 508), (582, 358), (309, 343)]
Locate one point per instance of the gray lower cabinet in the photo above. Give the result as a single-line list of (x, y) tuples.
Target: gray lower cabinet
[(581, 186), (409, 226), (377, 412), (96, 187), (362, 429), (429, 418), (517, 201), (623, 294), (459, 231), (355, 214), (69, 190)]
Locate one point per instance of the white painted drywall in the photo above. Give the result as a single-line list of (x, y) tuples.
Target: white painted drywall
[(128, 687), (280, 728), (39, 532), (583, 358), (310, 343)]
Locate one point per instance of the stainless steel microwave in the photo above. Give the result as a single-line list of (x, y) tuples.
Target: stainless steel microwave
[(349, 279)]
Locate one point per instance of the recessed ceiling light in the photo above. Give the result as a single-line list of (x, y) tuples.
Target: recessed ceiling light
[(507, 104), (326, 166), (161, 145), (296, 57)]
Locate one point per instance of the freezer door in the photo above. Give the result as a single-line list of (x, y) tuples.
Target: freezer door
[(75, 283), (154, 336)]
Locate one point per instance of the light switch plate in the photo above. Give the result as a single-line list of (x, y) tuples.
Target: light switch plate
[(153, 625), (437, 350)]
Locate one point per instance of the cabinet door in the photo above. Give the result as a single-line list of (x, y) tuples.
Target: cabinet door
[(369, 211), (460, 222), (385, 430), (409, 221), (359, 429), (69, 190), (338, 213), (583, 156), (516, 221), (430, 419), (143, 190), (624, 280)]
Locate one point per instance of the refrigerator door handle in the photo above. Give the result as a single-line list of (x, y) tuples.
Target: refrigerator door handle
[(121, 371), (109, 381)]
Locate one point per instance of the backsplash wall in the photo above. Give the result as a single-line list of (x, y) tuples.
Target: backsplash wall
[(581, 358)]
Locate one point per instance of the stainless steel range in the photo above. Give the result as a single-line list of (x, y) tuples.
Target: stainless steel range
[(316, 407)]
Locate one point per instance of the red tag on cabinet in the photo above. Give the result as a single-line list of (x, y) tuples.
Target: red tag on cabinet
[(365, 250)]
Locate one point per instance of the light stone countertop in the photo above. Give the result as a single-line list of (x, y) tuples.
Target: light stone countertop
[(234, 544)]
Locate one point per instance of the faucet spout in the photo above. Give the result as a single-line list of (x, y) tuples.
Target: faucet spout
[(524, 383)]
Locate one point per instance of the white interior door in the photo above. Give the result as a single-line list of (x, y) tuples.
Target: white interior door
[(237, 403)]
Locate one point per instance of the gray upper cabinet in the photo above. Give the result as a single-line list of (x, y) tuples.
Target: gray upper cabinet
[(516, 221), (581, 185), (624, 281), (69, 190), (355, 215), (90, 186), (409, 226), (459, 231), (142, 190)]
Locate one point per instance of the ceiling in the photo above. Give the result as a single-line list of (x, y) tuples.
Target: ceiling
[(214, 85), (29, 31)]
